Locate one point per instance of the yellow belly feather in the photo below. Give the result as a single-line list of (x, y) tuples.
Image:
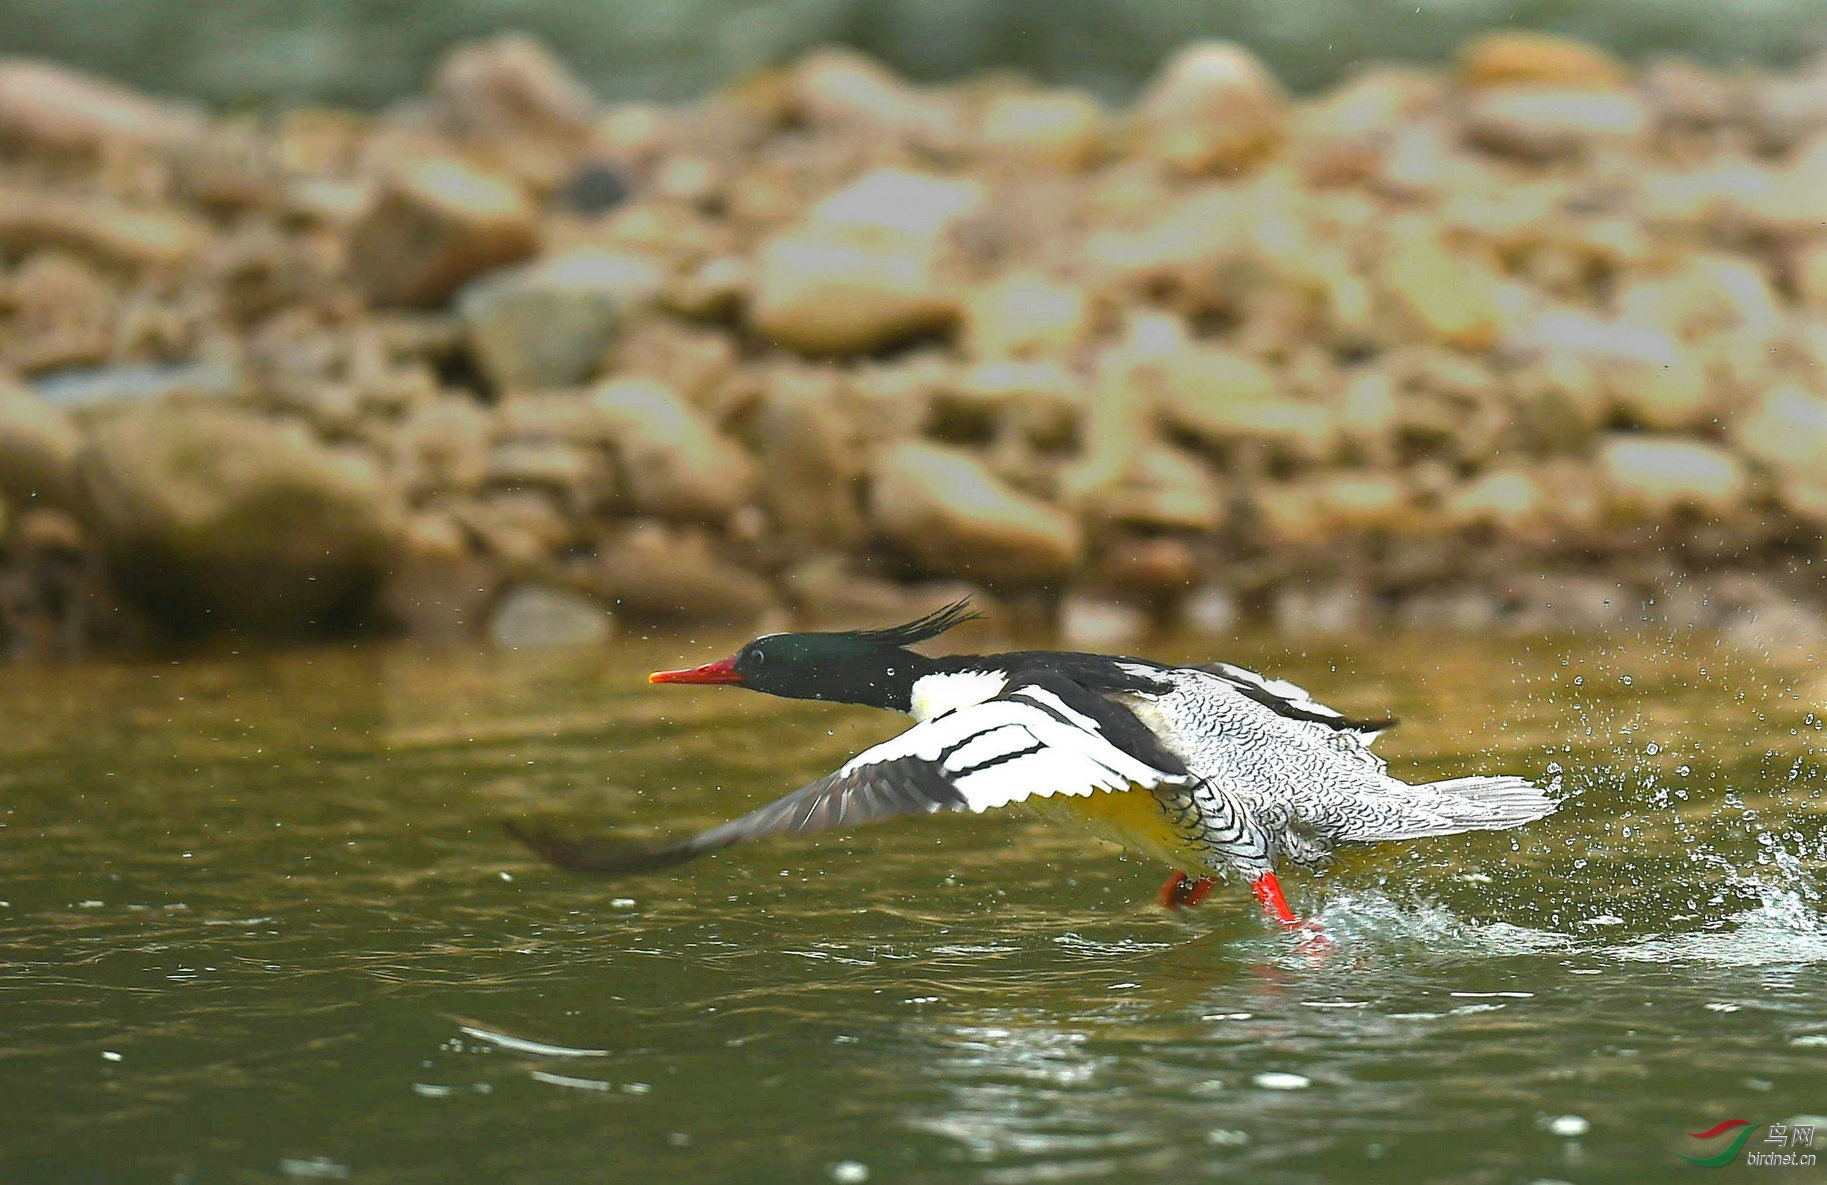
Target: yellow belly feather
[(1135, 818)]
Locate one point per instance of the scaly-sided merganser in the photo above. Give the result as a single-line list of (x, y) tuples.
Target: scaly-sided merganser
[(1212, 768)]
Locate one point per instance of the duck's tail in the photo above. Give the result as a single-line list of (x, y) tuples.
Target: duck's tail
[(1449, 807)]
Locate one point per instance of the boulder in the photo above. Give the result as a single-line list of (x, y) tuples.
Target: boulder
[(673, 462), (1542, 59), (510, 86), (1024, 314), (1787, 430), (548, 324), (1538, 123), (536, 617), (812, 466), (1062, 129), (437, 223), (655, 572), (213, 516), (53, 107), (435, 588), (1658, 474), (1163, 489), (1213, 107), (945, 508), (38, 449), (103, 230), (863, 270)]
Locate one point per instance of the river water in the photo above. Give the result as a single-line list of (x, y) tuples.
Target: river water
[(259, 922)]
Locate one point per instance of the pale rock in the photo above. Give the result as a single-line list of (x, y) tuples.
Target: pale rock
[(863, 270), (1787, 430), (672, 461), (1025, 314), (1367, 411), (535, 617), (1454, 298), (1538, 123), (1301, 431), (219, 516), (548, 324), (1100, 626), (1163, 489), (436, 224), (510, 86), (1709, 293), (656, 572), (435, 588), (845, 91), (1340, 138), (38, 449), (201, 381), (1213, 107), (579, 477), (107, 231), (1360, 501), (1663, 398), (1655, 475), (1685, 94), (1786, 109), (1061, 129), (52, 107), (946, 508), (1530, 58), (1511, 500), (1044, 401), (1211, 610)]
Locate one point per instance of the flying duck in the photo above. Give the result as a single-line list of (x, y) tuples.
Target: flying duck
[(1211, 768)]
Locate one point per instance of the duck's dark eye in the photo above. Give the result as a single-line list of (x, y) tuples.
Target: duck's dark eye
[(756, 658)]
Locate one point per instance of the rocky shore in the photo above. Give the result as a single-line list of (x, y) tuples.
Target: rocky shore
[(1532, 341)]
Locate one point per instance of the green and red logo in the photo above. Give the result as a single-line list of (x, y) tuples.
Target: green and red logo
[(1744, 1127), (1777, 1148)]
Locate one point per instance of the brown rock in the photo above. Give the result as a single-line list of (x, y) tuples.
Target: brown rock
[(1360, 501), (1149, 566), (1455, 299), (692, 361), (53, 107), (216, 516), (1498, 59), (579, 477), (443, 446), (521, 529), (1098, 625), (655, 572), (511, 85), (812, 466), (435, 588), (946, 508), (1213, 107), (436, 224), (63, 315), (825, 591), (672, 461), (104, 230), (845, 91), (38, 449)]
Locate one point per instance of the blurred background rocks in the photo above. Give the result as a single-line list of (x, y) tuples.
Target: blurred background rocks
[(1530, 338)]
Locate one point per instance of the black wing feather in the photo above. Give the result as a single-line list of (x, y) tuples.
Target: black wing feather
[(1283, 706), (906, 786)]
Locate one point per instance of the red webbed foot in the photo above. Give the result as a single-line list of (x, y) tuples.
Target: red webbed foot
[(1182, 891), (1268, 891)]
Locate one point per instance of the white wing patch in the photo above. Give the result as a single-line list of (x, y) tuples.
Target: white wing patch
[(1004, 751), (936, 695)]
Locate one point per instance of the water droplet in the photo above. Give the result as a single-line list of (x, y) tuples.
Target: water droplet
[(1569, 1125), (1275, 1080), (849, 1172)]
